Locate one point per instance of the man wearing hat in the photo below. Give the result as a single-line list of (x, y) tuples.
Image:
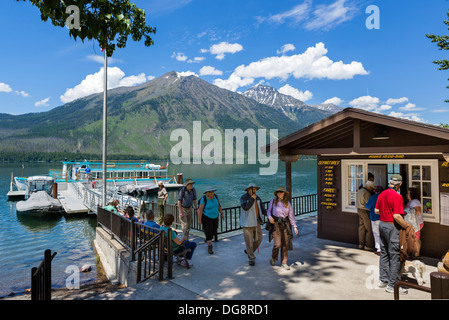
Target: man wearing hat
[(366, 238), (186, 199), (390, 207), (162, 196), (251, 211)]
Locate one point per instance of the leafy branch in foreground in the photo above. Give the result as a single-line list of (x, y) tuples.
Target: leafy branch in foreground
[(110, 22)]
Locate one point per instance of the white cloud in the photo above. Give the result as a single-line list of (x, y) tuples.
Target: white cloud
[(149, 78), (22, 93), (196, 60), (42, 103), (295, 93), (297, 13), (408, 107), (411, 116), (312, 64), (392, 101), (100, 59), (286, 48), (179, 56), (93, 83), (5, 87), (367, 103), (326, 17), (233, 82), (221, 48), (384, 107), (186, 74), (335, 100), (208, 70), (320, 17)]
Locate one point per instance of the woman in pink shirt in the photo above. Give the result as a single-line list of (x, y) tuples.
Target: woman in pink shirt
[(280, 215)]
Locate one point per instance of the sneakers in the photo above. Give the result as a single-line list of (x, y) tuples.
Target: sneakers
[(184, 264), (285, 266), (401, 290), (252, 263), (382, 284), (272, 261)]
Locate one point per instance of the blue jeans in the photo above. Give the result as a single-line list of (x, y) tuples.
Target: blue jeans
[(189, 245), (389, 261)]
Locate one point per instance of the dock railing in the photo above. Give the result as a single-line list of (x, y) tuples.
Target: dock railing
[(149, 245), (301, 205)]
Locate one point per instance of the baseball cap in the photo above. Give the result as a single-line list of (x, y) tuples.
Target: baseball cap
[(396, 178)]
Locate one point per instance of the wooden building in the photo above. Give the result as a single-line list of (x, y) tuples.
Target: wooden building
[(354, 142)]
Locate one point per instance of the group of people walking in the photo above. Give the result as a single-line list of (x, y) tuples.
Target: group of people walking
[(382, 215), (280, 219)]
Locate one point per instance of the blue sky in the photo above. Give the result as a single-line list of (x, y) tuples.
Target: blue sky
[(316, 50)]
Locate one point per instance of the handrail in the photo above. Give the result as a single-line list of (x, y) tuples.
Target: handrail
[(409, 285)]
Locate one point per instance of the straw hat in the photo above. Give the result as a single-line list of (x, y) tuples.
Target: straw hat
[(210, 190), (281, 189), (160, 183), (189, 181), (252, 185)]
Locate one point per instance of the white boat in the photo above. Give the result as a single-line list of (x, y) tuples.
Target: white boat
[(25, 186), (39, 203)]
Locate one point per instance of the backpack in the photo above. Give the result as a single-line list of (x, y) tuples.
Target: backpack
[(205, 200)]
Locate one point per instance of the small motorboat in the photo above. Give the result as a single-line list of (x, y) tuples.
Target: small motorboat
[(39, 203)]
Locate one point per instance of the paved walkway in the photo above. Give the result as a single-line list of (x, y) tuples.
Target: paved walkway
[(320, 269)]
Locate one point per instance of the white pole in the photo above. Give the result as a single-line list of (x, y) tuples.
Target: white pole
[(105, 89)]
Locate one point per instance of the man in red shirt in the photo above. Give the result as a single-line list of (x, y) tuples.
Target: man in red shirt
[(390, 207)]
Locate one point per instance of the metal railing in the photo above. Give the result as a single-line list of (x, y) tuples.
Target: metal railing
[(152, 247), (231, 222), (41, 278)]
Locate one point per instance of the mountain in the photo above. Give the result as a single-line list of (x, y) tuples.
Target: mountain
[(140, 119), (293, 108)]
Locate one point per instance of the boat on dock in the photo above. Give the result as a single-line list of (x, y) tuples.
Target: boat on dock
[(40, 200)]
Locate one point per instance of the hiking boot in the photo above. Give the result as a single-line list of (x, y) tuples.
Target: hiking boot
[(252, 263), (272, 261), (209, 250)]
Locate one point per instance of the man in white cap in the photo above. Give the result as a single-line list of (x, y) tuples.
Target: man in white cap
[(251, 211), (366, 238)]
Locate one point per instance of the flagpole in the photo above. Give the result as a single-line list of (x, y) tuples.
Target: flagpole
[(105, 89)]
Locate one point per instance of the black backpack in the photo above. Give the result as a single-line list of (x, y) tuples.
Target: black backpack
[(205, 200)]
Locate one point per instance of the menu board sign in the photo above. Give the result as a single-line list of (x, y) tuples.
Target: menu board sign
[(328, 184)]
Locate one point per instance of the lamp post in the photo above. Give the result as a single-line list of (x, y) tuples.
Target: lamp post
[(105, 98)]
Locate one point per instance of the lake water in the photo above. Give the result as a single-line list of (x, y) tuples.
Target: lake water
[(23, 239)]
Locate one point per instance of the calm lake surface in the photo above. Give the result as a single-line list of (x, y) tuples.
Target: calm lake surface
[(23, 239)]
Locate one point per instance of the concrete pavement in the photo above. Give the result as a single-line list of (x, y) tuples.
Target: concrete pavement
[(320, 269)]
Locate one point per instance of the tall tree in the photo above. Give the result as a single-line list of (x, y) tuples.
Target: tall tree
[(110, 22), (443, 44)]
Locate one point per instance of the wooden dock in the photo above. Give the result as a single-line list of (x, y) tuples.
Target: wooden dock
[(71, 202)]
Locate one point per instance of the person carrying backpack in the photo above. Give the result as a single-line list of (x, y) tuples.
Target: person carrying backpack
[(186, 199), (208, 211)]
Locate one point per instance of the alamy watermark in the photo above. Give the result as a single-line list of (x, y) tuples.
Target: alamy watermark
[(221, 149), (373, 21)]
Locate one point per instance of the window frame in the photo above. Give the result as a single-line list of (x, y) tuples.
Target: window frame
[(435, 187)]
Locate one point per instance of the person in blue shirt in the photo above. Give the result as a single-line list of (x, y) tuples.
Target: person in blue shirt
[(149, 215), (375, 218), (208, 211)]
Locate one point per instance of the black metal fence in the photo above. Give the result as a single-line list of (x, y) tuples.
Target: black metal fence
[(152, 248), (231, 222), (41, 278)]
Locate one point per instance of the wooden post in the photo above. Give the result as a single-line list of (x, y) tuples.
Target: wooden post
[(439, 283), (288, 179), (288, 159)]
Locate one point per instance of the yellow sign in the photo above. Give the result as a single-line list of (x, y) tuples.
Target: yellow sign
[(387, 156), (329, 163)]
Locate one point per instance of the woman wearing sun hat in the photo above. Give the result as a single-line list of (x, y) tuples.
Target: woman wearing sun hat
[(208, 211), (280, 215)]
